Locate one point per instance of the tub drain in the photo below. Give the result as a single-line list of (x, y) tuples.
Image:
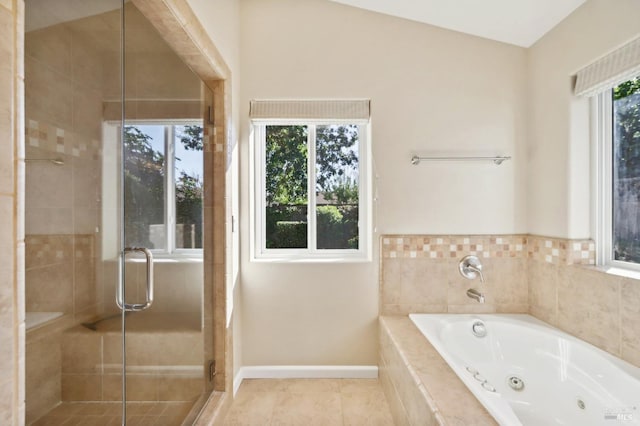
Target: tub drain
[(515, 383)]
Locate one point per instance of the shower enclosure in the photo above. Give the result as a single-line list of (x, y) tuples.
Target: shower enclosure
[(117, 181)]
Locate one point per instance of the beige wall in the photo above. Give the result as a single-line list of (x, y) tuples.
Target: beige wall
[(431, 90), (558, 142), (12, 332)]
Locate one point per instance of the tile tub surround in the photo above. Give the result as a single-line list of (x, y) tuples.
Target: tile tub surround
[(419, 385), (419, 273), (589, 303)]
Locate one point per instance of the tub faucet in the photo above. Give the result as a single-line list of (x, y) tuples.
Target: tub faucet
[(470, 267), (477, 269), (476, 295)]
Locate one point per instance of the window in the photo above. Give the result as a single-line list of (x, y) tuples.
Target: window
[(619, 166), (163, 185), (311, 190)]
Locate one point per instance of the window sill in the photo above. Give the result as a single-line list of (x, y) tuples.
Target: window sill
[(617, 271), (312, 260)]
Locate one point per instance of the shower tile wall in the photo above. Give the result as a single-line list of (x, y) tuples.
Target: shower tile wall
[(12, 332), (49, 259), (63, 109), (63, 120)]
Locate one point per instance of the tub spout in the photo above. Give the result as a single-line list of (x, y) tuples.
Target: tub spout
[(475, 295)]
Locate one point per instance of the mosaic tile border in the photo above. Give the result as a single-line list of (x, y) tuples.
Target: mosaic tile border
[(551, 250), (453, 246), (560, 251), (60, 141), (44, 250)]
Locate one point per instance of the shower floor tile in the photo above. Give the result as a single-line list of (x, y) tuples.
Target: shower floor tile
[(108, 414), (322, 402)]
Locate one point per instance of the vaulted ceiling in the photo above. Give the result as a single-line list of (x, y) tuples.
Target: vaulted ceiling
[(519, 22)]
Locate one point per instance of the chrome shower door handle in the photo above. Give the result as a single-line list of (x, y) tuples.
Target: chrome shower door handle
[(149, 289)]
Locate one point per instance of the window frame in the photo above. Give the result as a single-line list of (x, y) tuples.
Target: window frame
[(602, 183), (170, 251), (259, 251)]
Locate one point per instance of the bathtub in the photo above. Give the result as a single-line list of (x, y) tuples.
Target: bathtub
[(526, 372)]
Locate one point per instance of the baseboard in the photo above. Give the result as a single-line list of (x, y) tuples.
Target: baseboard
[(304, 372)]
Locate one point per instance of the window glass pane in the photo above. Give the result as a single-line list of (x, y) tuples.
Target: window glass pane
[(188, 181), (337, 180), (144, 177), (626, 171), (286, 191)]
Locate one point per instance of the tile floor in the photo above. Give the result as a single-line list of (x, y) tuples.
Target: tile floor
[(108, 414), (307, 402)]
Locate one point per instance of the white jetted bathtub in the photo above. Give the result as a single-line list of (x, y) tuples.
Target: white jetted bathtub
[(526, 372)]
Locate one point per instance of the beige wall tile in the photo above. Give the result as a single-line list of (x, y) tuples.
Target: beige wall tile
[(81, 387), (154, 85), (630, 320), (49, 221), (139, 387), (507, 281), (81, 352), (43, 376), (6, 103), (87, 113), (390, 281), (423, 282), (48, 95), (543, 295), (50, 288), (46, 250), (399, 309), (417, 408), (395, 404), (51, 47), (178, 348), (111, 387), (48, 185), (178, 388), (86, 63), (589, 307)]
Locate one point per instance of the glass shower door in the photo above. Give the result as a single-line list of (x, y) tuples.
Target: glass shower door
[(161, 196)]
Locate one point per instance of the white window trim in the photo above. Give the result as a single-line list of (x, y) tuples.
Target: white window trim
[(259, 252), (602, 183)]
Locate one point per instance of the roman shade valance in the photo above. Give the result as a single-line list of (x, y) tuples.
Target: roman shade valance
[(273, 110), (607, 72)]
